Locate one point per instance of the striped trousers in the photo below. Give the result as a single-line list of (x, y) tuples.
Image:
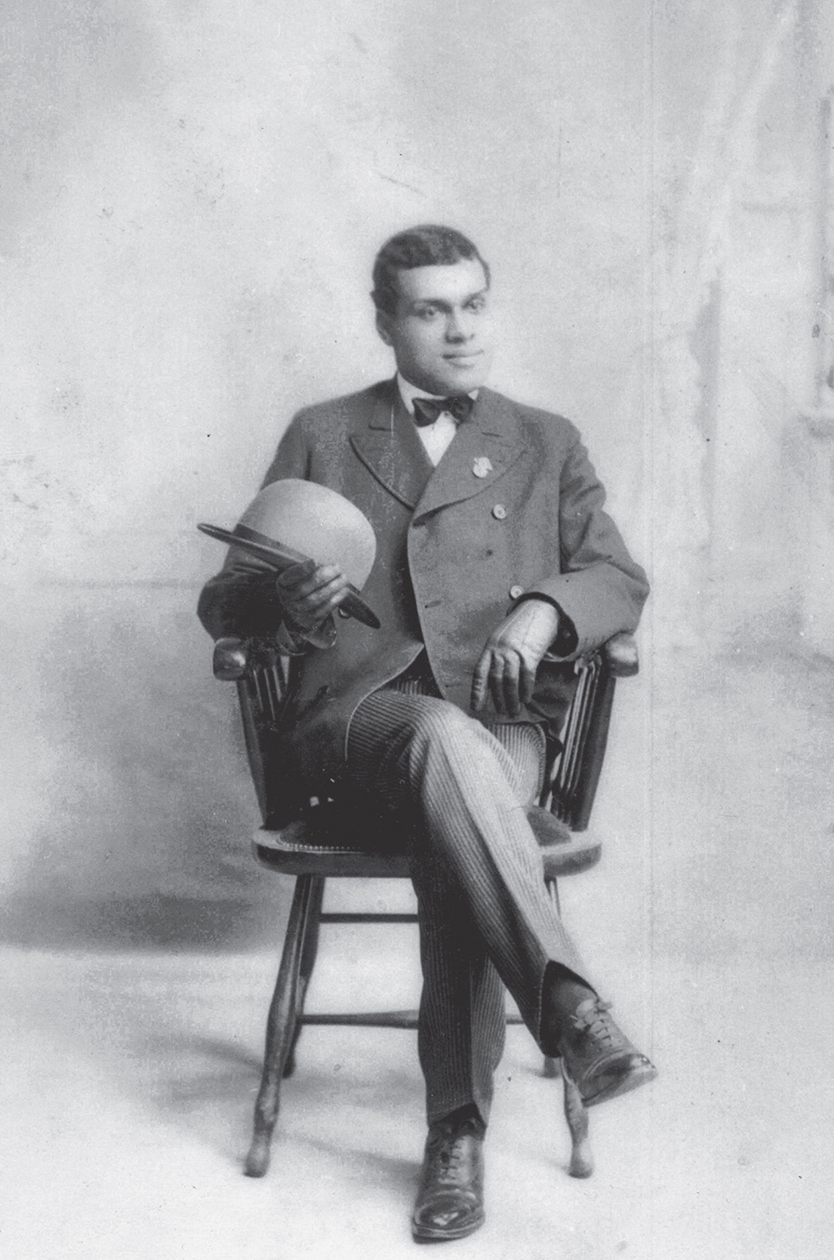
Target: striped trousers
[(459, 793)]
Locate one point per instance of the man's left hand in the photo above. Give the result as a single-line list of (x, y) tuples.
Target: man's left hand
[(512, 654)]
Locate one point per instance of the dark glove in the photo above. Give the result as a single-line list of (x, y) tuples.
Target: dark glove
[(309, 595)]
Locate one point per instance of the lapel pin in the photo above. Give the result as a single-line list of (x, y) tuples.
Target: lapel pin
[(482, 466)]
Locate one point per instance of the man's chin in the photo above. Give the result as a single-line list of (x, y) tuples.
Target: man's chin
[(463, 377), (465, 384)]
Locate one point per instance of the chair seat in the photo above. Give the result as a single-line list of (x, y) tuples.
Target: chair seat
[(306, 847), (300, 849)]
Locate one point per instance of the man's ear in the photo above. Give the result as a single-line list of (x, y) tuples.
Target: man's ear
[(383, 328)]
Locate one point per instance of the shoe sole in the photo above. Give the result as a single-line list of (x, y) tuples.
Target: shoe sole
[(425, 1234), (624, 1085)]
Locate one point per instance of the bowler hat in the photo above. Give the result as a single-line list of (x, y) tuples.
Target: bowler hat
[(292, 520)]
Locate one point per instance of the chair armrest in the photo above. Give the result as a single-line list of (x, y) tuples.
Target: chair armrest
[(231, 659), (621, 656), (575, 772)]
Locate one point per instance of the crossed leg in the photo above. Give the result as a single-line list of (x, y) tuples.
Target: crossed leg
[(461, 792)]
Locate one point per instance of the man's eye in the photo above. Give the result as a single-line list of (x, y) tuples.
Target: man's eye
[(477, 304), (427, 312)]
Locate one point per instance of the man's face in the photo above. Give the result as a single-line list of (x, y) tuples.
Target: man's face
[(442, 330)]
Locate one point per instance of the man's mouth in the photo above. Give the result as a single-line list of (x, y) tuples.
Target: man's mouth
[(467, 356)]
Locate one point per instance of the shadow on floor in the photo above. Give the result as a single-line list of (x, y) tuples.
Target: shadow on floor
[(148, 922), (206, 1086)]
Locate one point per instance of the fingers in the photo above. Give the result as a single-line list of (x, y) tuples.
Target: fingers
[(325, 599), (295, 572), (479, 680), (310, 593), (496, 680), (505, 676), (304, 578), (528, 681), (505, 693)]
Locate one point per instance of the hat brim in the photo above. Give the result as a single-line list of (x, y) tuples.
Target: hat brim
[(280, 558)]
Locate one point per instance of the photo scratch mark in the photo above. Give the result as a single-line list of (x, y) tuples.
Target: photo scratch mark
[(401, 184)]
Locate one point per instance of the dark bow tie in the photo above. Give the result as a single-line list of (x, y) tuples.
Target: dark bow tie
[(426, 410)]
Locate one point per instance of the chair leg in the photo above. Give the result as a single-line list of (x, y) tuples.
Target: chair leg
[(280, 1025), (309, 951), (551, 1065), (576, 1114)]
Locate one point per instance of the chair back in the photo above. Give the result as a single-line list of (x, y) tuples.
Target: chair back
[(575, 760)]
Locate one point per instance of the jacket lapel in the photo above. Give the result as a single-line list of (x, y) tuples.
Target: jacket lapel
[(490, 441), (391, 449)]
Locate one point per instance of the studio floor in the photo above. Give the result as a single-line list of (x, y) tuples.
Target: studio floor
[(129, 1080), (129, 1075)]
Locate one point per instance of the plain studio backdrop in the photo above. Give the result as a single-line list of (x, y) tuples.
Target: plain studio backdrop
[(192, 195)]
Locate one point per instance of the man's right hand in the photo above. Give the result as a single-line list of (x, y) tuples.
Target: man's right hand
[(310, 594)]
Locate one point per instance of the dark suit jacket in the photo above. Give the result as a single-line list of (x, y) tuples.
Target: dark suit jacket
[(453, 551)]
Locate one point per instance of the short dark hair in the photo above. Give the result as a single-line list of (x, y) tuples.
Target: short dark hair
[(427, 245)]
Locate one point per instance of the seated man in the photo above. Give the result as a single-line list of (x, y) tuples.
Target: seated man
[(496, 565)]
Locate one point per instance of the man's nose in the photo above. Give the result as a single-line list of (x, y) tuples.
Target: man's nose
[(459, 326)]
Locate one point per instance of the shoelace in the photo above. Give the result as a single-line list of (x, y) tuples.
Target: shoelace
[(595, 1022), (447, 1151)]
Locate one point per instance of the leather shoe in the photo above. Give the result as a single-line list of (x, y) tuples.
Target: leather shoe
[(450, 1201), (599, 1058)]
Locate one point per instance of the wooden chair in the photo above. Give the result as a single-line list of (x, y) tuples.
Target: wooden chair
[(324, 843)]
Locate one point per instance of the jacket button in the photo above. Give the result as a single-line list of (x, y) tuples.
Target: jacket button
[(516, 592), (499, 512)]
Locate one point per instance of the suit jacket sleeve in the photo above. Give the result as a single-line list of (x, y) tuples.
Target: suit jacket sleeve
[(600, 588), (242, 600)]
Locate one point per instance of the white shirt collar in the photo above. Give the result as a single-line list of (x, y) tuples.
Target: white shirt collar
[(409, 392)]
